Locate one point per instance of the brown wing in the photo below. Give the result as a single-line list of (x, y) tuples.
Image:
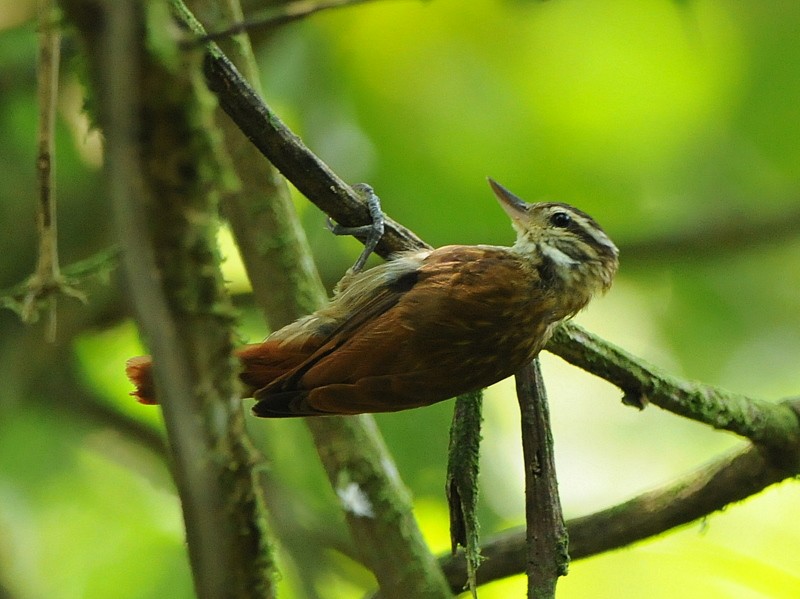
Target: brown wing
[(457, 322), (279, 361), (285, 354)]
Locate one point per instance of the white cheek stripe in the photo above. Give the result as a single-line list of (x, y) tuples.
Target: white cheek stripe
[(557, 256)]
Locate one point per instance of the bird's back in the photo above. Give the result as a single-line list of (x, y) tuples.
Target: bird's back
[(461, 318)]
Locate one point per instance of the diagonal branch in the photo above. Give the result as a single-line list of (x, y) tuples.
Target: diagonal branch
[(312, 177), (772, 424), (281, 14)]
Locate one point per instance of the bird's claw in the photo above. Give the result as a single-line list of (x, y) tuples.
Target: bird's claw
[(371, 234)]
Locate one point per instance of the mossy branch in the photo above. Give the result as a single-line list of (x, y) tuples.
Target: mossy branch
[(162, 169), (546, 539), (771, 424), (461, 486)]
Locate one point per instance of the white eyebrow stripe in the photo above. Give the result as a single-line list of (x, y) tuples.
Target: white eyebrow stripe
[(595, 232)]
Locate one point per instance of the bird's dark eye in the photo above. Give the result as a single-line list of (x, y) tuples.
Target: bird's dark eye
[(560, 219)]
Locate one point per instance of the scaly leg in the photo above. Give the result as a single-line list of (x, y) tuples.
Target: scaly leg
[(371, 234)]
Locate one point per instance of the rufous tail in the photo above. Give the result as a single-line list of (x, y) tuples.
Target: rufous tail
[(261, 363), (140, 372)]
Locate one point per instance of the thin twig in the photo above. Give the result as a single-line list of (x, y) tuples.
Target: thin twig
[(97, 266), (276, 16), (47, 281)]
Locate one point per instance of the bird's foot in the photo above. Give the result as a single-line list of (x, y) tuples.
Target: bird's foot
[(370, 234)]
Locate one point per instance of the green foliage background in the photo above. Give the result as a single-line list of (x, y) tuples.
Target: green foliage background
[(656, 117)]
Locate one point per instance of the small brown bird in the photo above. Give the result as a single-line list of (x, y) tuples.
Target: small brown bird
[(430, 324)]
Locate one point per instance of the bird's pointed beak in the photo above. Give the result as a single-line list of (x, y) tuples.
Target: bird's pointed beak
[(515, 207)]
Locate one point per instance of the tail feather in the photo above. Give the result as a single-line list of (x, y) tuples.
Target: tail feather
[(287, 404), (140, 372), (261, 363)]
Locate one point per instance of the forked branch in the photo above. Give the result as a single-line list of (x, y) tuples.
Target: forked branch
[(47, 281)]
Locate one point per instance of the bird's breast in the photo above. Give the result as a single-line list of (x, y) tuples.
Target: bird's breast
[(479, 321)]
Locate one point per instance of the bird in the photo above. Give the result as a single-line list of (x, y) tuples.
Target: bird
[(428, 324)]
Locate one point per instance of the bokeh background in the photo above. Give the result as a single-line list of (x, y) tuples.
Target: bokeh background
[(660, 118)]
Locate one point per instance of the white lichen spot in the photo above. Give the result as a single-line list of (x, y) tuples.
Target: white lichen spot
[(355, 501), (391, 469)]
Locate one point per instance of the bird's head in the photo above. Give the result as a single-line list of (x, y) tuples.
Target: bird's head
[(567, 244)]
